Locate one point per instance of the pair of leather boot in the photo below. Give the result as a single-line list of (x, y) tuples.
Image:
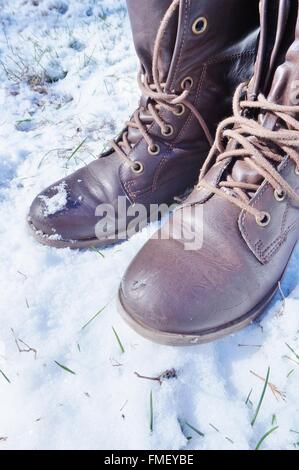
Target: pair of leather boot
[(243, 212)]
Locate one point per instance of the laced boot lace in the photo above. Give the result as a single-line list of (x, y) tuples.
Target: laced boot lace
[(158, 99), (254, 144)]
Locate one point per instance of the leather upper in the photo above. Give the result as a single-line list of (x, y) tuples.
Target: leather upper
[(168, 288), (216, 60)]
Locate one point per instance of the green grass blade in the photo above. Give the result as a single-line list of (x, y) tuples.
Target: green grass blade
[(119, 341), (5, 376), (248, 397), (194, 429), (261, 398), (98, 252), (77, 149), (65, 368), (151, 412), (93, 318), (292, 350), (265, 437)]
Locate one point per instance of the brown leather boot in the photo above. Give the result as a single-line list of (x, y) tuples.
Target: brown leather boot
[(192, 58), (247, 201)]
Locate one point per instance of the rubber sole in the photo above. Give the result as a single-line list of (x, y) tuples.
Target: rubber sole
[(176, 339), (74, 244)]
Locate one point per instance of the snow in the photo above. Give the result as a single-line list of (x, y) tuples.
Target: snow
[(57, 202), (68, 76)]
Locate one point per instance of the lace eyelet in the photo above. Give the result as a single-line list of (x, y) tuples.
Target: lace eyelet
[(168, 131), (179, 109), (264, 219), (297, 170), (153, 149), (137, 167), (279, 195), (199, 25), (187, 83)]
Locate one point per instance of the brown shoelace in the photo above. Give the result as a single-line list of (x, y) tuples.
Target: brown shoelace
[(159, 99), (252, 142)]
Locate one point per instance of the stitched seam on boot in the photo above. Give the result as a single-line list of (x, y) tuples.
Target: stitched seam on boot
[(214, 60), (265, 253), (186, 21), (190, 117)]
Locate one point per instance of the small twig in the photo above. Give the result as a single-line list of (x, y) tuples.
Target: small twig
[(250, 345), (167, 374), (147, 378), (19, 341), (115, 363)]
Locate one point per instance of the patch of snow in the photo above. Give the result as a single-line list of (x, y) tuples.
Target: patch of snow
[(57, 202), (49, 296)]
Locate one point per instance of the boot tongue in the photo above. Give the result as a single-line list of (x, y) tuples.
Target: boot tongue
[(284, 91), (145, 18)]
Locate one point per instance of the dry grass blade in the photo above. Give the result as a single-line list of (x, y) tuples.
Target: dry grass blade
[(25, 347), (278, 394)]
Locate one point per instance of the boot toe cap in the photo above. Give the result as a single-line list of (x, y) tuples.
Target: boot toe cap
[(61, 214), (183, 293)]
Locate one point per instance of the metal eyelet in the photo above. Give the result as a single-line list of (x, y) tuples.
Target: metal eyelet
[(279, 195), (297, 170), (179, 109), (264, 219), (153, 149), (168, 131), (137, 167), (187, 83), (200, 25)]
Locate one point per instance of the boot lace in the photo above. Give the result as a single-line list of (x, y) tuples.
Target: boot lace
[(158, 99), (260, 148)]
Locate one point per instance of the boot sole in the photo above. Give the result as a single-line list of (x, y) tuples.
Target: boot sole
[(176, 339), (74, 244)]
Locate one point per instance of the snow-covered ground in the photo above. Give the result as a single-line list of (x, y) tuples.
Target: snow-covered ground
[(67, 74)]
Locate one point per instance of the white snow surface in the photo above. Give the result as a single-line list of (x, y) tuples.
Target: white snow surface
[(57, 202), (68, 78)]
